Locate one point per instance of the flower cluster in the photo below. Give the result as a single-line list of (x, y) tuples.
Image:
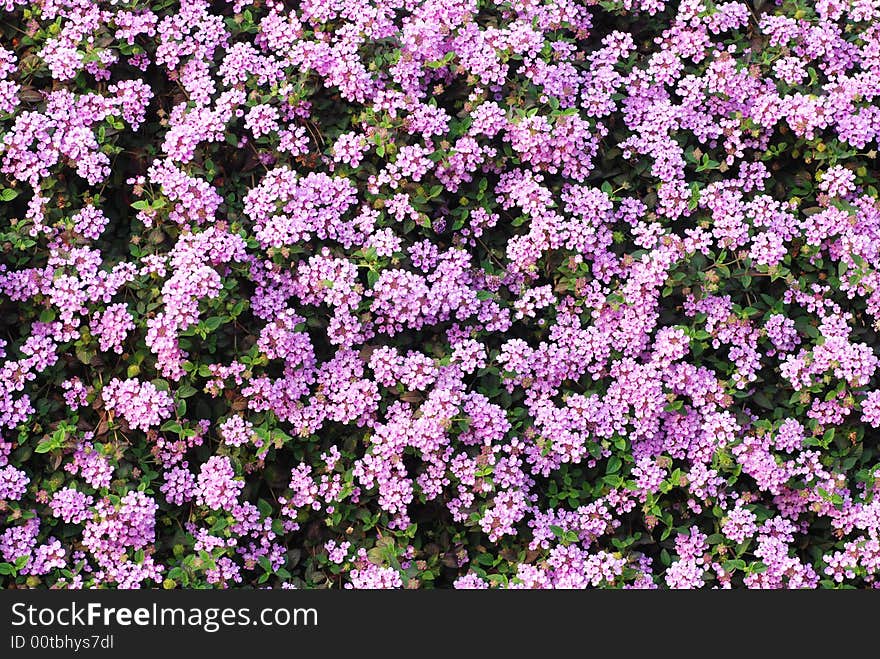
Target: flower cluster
[(468, 294)]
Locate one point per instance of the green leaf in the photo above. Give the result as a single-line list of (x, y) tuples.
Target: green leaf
[(613, 465), (557, 531), (49, 443), (213, 322), (827, 438), (84, 354), (171, 426), (186, 390)]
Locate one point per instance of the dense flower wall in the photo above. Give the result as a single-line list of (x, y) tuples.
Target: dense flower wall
[(401, 293)]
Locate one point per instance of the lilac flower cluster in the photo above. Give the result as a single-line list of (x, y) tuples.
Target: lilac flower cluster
[(473, 294)]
